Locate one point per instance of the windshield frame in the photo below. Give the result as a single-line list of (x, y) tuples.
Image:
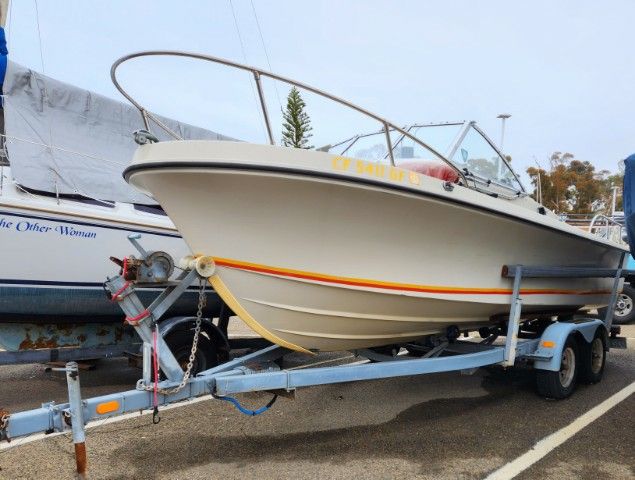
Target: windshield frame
[(456, 144)]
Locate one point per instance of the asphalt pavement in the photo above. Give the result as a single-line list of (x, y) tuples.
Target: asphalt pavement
[(434, 426)]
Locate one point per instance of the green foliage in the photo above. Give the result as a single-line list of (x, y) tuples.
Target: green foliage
[(574, 186), (297, 124)]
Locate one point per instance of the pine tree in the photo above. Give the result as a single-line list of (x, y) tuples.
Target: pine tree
[(297, 125)]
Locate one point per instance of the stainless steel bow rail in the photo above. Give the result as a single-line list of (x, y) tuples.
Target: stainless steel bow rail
[(543, 344), (257, 73)]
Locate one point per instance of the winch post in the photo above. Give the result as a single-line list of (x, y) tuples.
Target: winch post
[(132, 307), (76, 411)]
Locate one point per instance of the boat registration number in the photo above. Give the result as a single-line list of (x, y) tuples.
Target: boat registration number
[(376, 170)]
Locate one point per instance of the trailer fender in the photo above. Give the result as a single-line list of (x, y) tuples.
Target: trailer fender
[(207, 326), (549, 352)]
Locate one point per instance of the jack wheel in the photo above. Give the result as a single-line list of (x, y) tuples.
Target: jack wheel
[(560, 384), (180, 342)]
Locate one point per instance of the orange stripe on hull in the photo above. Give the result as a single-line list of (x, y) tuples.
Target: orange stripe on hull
[(361, 282)]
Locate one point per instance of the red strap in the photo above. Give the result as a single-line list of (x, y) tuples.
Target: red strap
[(155, 361), (138, 318), (115, 296)]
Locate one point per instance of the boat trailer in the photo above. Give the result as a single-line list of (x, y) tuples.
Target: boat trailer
[(261, 370)]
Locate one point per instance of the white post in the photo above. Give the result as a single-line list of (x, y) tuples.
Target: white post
[(503, 117), (614, 200)]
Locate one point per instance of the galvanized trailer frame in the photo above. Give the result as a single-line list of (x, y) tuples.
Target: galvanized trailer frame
[(258, 371)]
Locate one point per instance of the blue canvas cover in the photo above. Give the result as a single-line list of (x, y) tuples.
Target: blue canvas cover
[(629, 200), (3, 56)]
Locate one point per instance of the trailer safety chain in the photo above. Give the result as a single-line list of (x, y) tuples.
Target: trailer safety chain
[(190, 364)]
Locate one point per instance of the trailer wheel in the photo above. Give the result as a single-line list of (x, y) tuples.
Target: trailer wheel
[(593, 359), (560, 384), (624, 308), (180, 342)]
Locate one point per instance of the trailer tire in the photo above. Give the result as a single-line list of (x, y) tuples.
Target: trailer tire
[(593, 359), (560, 384), (180, 343), (625, 308)]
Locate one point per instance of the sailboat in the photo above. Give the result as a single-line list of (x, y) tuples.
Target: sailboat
[(64, 210)]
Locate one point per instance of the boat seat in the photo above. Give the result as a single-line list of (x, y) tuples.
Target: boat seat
[(433, 169)]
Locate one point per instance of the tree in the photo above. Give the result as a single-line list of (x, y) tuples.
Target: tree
[(297, 125), (573, 186)]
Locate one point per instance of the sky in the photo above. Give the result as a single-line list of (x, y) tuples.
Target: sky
[(564, 70)]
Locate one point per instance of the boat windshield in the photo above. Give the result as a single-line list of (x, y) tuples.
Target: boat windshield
[(478, 157), (463, 143)]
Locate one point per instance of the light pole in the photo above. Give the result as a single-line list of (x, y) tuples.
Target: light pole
[(615, 189), (503, 117), (539, 183)]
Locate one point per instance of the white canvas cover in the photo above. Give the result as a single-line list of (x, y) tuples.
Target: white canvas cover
[(67, 140)]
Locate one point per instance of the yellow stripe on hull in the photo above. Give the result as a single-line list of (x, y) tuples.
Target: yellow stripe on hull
[(237, 308)]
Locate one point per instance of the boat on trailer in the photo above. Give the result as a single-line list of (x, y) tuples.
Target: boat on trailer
[(325, 250), (563, 352)]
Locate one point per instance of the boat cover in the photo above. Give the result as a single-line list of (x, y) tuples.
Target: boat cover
[(64, 139), (629, 200)]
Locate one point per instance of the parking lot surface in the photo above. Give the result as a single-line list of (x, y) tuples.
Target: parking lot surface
[(433, 426)]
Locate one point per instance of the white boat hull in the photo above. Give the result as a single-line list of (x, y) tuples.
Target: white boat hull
[(314, 258), (55, 259)]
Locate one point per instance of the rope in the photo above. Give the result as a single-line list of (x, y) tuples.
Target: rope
[(264, 47), (46, 93), (39, 34), (7, 103), (242, 48)]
